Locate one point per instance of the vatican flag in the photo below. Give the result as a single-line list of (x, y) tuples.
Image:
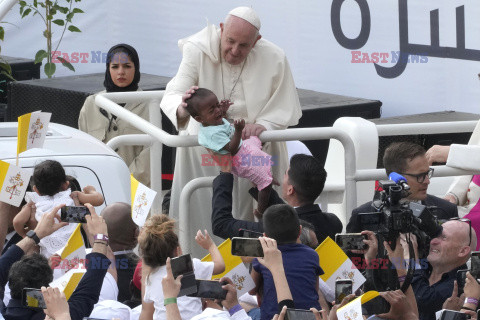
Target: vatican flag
[(69, 281), (13, 181), (337, 265), (142, 200), (234, 269), (353, 309), (32, 130), (72, 256)]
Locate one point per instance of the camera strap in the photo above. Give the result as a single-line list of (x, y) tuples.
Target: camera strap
[(411, 266)]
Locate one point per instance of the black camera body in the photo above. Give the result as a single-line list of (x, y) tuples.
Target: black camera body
[(395, 215)]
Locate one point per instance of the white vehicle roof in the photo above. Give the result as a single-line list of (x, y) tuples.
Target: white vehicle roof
[(89, 160), (61, 141)]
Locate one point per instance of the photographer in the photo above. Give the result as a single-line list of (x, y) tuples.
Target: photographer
[(448, 253), (409, 160)]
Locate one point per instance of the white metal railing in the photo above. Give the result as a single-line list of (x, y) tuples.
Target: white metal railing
[(352, 175), (425, 128)]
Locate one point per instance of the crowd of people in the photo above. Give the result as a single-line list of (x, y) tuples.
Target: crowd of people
[(129, 268)]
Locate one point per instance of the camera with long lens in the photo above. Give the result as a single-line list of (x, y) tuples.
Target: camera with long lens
[(395, 215)]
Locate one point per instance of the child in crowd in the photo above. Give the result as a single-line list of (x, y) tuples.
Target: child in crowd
[(157, 242), (219, 136), (51, 187), (301, 263)]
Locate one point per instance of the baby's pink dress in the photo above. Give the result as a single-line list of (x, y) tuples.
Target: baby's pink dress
[(252, 163)]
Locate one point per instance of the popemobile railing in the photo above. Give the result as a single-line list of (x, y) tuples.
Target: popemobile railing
[(155, 137)]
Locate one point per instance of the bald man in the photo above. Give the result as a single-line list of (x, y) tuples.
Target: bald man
[(253, 77), (448, 253), (122, 233)]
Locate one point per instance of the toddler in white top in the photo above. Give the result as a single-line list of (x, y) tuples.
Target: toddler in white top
[(51, 188)]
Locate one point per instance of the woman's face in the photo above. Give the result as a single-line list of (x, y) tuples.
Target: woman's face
[(122, 70)]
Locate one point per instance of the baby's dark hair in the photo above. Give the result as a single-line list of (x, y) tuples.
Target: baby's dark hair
[(74, 185), (48, 177), (192, 106)]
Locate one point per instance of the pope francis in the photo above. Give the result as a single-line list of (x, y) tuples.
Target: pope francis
[(254, 76)]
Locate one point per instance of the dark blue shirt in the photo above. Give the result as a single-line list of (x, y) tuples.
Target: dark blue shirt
[(430, 298), (301, 264)]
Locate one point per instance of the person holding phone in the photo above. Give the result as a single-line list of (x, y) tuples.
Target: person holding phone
[(472, 294), (157, 242), (301, 263), (23, 269), (57, 305)]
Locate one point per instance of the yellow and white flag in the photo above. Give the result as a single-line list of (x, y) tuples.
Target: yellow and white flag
[(234, 269), (337, 265), (142, 200), (32, 130), (13, 181), (73, 254), (69, 281), (353, 309)]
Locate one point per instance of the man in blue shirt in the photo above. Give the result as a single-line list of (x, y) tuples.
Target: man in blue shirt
[(448, 253)]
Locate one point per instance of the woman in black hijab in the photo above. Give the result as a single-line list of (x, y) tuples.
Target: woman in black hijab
[(121, 54), (122, 74)]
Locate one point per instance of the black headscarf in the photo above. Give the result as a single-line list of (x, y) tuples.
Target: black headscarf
[(132, 53)]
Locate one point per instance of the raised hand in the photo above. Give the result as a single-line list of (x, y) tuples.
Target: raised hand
[(239, 124)]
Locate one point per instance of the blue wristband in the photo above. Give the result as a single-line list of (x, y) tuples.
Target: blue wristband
[(235, 309)]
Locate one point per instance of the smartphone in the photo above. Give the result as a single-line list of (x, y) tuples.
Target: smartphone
[(377, 305), (74, 214), (211, 289), (452, 315), (343, 287), (298, 314), (461, 276), (33, 298), (246, 247), (181, 265), (244, 233), (351, 241), (475, 264)]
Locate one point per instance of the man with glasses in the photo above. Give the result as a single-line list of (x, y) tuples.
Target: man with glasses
[(448, 253), (409, 160)]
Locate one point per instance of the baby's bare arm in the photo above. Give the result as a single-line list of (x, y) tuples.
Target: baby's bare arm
[(89, 195), (24, 217)]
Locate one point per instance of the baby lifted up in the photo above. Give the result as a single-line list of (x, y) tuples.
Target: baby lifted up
[(225, 140)]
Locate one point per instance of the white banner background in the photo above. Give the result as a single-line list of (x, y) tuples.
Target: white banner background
[(302, 28)]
